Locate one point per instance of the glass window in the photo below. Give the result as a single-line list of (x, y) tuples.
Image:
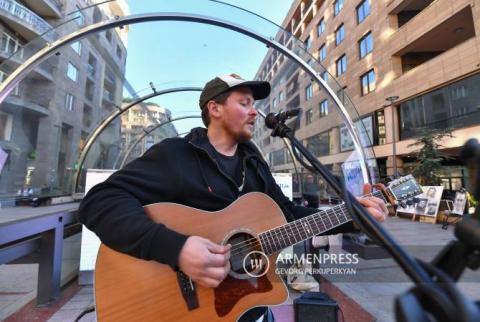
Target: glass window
[(322, 52), (341, 65), (119, 52), (77, 47), (308, 43), (309, 116), (274, 103), (79, 17), (278, 157), (319, 144), (337, 7), (366, 45), (72, 72), (363, 10), (108, 35), (323, 108), (5, 126), (308, 92), (281, 96), (321, 27), (339, 34), (452, 106), (368, 82), (70, 102), (325, 76)]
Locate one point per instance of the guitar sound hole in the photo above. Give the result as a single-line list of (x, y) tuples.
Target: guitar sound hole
[(246, 255)]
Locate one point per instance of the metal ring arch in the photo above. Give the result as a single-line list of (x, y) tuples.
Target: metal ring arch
[(22, 71)]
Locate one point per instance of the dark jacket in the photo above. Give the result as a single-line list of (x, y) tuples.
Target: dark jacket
[(178, 170)]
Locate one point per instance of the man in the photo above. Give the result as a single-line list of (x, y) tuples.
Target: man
[(208, 169)]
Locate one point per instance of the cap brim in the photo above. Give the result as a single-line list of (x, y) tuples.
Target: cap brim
[(260, 89)]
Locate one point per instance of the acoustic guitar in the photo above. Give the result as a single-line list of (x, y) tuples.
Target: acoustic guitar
[(131, 289)]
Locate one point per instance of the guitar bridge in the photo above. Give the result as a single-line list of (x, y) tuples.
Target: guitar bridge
[(189, 292)]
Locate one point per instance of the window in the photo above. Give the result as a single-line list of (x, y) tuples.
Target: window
[(321, 27), (337, 7), (308, 43), (92, 65), (366, 45), (309, 116), (322, 53), (341, 65), (459, 92), (77, 47), (368, 82), (72, 72), (3, 76), (274, 103), (79, 17), (281, 96), (323, 108), (5, 126), (325, 76), (119, 52), (10, 44), (108, 35), (69, 102), (339, 34), (319, 144), (363, 10), (308, 92)]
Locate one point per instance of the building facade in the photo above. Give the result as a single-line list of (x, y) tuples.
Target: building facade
[(44, 122), (143, 126), (405, 64)]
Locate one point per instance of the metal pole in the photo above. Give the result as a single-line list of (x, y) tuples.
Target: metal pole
[(392, 99)]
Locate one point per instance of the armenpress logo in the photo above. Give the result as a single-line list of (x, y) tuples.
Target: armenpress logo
[(256, 263)]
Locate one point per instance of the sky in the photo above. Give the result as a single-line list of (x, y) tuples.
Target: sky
[(176, 54)]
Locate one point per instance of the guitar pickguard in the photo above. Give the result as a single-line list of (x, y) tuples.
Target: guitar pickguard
[(231, 290)]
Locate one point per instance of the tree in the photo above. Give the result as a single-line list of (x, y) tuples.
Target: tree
[(429, 157)]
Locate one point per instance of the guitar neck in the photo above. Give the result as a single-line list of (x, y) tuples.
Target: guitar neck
[(278, 238)]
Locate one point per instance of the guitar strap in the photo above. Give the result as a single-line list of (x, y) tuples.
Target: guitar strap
[(189, 292)]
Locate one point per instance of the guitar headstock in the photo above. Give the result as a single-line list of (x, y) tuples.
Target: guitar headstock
[(402, 189)]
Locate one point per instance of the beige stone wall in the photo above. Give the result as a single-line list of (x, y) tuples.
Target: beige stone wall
[(455, 63)]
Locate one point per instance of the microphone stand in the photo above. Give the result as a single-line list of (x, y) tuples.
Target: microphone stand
[(443, 301), (359, 215)]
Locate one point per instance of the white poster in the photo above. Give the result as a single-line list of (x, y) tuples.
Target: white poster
[(426, 204), (284, 181), (459, 202), (90, 241)]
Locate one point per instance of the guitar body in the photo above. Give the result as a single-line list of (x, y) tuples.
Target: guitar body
[(131, 289)]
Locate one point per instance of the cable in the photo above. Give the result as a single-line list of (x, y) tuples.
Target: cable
[(89, 309)]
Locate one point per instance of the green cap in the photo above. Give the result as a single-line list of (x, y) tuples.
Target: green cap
[(222, 84)]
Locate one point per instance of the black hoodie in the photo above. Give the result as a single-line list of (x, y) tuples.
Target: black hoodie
[(178, 170)]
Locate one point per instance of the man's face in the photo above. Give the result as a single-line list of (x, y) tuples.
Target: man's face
[(238, 115)]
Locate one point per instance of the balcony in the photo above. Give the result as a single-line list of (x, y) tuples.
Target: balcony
[(46, 8), (23, 20)]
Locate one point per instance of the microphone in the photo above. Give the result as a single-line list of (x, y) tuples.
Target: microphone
[(272, 119)]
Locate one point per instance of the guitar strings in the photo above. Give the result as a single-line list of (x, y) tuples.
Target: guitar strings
[(310, 219), (249, 243)]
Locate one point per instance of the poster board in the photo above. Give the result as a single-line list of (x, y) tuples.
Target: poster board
[(427, 203), (459, 202), (284, 181), (90, 242)]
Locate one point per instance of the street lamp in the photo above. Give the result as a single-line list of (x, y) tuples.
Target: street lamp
[(392, 99)]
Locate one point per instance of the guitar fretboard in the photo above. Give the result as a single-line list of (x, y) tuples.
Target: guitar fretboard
[(299, 230)]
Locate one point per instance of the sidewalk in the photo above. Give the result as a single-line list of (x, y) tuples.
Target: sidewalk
[(369, 295)]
